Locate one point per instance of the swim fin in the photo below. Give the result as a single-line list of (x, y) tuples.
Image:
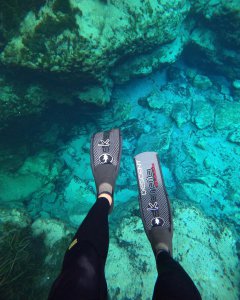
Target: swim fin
[(106, 149), (154, 203)]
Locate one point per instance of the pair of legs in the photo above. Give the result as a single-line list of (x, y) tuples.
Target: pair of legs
[(82, 275)]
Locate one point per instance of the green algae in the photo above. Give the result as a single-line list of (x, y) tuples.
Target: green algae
[(20, 263)]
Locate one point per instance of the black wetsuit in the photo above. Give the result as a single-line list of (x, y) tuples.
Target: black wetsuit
[(82, 276)]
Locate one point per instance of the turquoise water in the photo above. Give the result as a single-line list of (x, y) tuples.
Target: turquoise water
[(174, 93), (47, 184)]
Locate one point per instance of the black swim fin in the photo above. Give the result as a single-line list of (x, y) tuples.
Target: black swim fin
[(154, 203), (106, 149)]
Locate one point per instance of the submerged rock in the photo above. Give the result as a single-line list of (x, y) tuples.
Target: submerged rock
[(227, 116), (18, 217), (53, 230), (203, 114), (222, 16), (236, 84), (144, 64), (215, 39), (234, 136), (180, 114), (202, 82), (96, 95), (18, 187), (236, 89), (20, 99), (89, 37), (34, 174)]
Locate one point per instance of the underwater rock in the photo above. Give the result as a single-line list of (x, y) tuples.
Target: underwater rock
[(205, 50), (227, 116), (19, 217), (165, 100), (236, 84), (144, 64), (78, 199), (52, 229), (236, 89), (234, 137), (10, 159), (223, 17), (87, 38), (191, 73), (158, 141), (195, 188), (180, 114), (42, 164), (196, 154), (36, 172), (203, 114), (18, 187), (195, 239), (76, 157), (96, 95), (86, 45), (18, 99), (215, 39), (202, 82)]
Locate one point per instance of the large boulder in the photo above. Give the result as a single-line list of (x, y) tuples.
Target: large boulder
[(223, 16), (86, 38), (215, 39)]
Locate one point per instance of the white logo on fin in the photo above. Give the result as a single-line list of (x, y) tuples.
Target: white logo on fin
[(103, 143), (106, 158), (157, 222), (152, 206)]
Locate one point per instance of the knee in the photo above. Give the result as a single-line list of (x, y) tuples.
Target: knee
[(88, 267)]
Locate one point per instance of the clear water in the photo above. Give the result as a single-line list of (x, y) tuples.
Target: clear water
[(46, 185)]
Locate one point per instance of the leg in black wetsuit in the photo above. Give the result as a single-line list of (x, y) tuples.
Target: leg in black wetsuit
[(173, 283), (82, 276)]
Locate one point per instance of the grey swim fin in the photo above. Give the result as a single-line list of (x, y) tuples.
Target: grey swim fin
[(106, 148), (153, 200)]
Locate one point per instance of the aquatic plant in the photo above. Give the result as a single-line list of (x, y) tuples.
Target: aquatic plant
[(19, 261)]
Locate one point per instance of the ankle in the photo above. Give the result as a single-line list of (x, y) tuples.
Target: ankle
[(107, 196), (161, 247)]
